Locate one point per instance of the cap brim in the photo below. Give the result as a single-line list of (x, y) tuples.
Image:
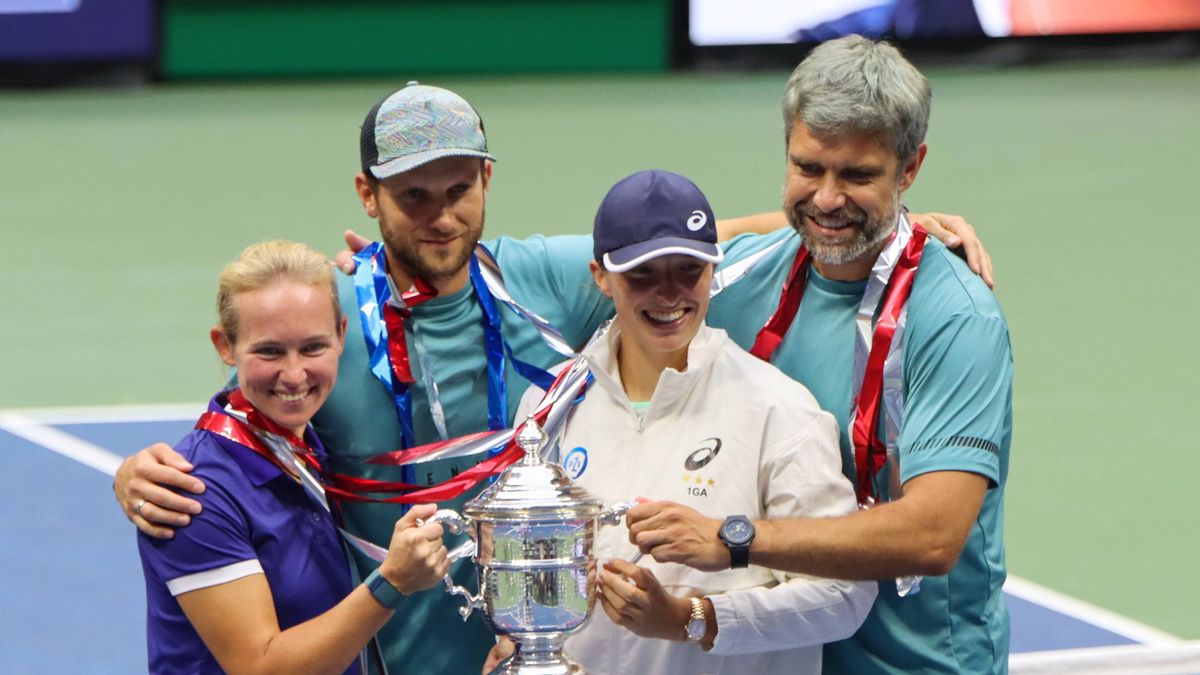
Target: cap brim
[(410, 162), (633, 255)]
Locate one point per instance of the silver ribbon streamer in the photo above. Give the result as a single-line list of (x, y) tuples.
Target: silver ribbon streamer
[(432, 395), (559, 400), (282, 450), (893, 367), (732, 273), (549, 333)]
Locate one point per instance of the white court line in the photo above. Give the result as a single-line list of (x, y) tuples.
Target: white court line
[(1182, 659), (61, 442), (163, 412), (30, 424), (1097, 616)]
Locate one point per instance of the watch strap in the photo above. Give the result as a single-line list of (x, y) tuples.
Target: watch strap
[(739, 555), (697, 621), (383, 590)]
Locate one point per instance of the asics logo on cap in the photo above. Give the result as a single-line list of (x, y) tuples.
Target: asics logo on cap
[(697, 221)]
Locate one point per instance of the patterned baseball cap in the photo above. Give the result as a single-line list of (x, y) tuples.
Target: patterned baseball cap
[(650, 214), (416, 125)]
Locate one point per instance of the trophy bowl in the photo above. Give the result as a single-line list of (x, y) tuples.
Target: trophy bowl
[(532, 536)]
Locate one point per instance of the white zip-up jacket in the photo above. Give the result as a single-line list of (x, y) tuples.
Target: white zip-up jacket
[(730, 435)]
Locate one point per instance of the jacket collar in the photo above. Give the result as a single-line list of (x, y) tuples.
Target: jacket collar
[(672, 386)]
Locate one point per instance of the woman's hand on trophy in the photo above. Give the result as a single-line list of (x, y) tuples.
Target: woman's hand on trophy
[(632, 597), (504, 648), (675, 533), (416, 558)]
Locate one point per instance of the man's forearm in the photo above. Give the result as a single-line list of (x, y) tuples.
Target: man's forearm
[(922, 533), (840, 548)]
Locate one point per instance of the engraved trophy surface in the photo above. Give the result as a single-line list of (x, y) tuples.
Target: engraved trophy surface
[(533, 533)]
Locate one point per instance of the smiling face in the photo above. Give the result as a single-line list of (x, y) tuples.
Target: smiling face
[(286, 349), (660, 305), (430, 219), (843, 195)]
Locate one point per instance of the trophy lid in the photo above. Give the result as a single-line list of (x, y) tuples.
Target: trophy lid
[(532, 485)]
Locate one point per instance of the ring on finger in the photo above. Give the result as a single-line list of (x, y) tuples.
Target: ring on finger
[(138, 508)]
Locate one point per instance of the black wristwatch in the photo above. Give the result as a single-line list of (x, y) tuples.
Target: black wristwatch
[(737, 532)]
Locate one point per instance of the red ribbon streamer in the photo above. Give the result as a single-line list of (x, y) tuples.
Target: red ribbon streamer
[(772, 333), (393, 318), (870, 454), (347, 488), (351, 488)]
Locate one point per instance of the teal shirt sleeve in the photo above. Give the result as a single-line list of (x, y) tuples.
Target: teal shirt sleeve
[(550, 276), (958, 403)]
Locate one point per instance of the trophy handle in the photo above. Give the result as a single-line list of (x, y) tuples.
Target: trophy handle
[(456, 524), (613, 515)]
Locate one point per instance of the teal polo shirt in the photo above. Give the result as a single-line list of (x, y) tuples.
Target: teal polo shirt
[(548, 275), (957, 417)]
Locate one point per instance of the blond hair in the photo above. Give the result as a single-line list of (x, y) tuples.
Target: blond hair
[(265, 263)]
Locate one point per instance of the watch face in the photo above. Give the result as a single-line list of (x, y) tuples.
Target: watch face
[(737, 531)]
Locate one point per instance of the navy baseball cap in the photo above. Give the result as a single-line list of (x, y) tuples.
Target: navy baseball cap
[(651, 214)]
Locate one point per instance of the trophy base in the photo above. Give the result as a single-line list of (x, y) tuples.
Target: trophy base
[(514, 665)]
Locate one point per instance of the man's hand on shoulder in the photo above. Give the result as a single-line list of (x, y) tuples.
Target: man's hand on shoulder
[(958, 235), (675, 533), (345, 257), (142, 487)]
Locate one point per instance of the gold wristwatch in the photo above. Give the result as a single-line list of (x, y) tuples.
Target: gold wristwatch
[(697, 623)]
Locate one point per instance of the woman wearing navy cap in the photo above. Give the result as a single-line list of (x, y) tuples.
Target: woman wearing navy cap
[(679, 412)]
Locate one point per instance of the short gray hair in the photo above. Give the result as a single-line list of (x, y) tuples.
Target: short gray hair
[(853, 85)]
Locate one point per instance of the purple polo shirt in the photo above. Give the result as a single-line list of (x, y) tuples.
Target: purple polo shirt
[(252, 512)]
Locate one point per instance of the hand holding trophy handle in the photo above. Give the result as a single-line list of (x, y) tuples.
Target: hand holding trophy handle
[(613, 515), (456, 524)]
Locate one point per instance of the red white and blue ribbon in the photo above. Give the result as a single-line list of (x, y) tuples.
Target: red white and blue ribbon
[(384, 314), (239, 421), (878, 385), (879, 351)]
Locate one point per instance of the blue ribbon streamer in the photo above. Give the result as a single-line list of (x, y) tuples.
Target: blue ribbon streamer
[(372, 292)]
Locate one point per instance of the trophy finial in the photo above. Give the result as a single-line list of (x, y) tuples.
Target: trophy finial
[(531, 438)]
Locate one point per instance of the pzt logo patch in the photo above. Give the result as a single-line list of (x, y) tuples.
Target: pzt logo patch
[(708, 450), (575, 463)]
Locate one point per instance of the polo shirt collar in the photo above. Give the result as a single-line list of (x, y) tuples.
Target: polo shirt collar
[(258, 469)]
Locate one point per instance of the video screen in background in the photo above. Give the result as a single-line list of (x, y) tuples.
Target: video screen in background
[(758, 22), (50, 31)]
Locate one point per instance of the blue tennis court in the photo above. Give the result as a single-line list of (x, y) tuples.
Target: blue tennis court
[(74, 600)]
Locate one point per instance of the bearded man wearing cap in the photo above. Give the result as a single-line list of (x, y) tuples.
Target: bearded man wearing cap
[(463, 359), (678, 411), (910, 352)]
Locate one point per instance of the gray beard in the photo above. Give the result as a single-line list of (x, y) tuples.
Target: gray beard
[(867, 239)]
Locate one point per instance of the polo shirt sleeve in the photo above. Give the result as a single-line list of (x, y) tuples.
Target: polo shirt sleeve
[(550, 276), (958, 404), (215, 548), (741, 246)]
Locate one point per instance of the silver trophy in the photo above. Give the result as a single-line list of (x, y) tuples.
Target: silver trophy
[(533, 531)]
